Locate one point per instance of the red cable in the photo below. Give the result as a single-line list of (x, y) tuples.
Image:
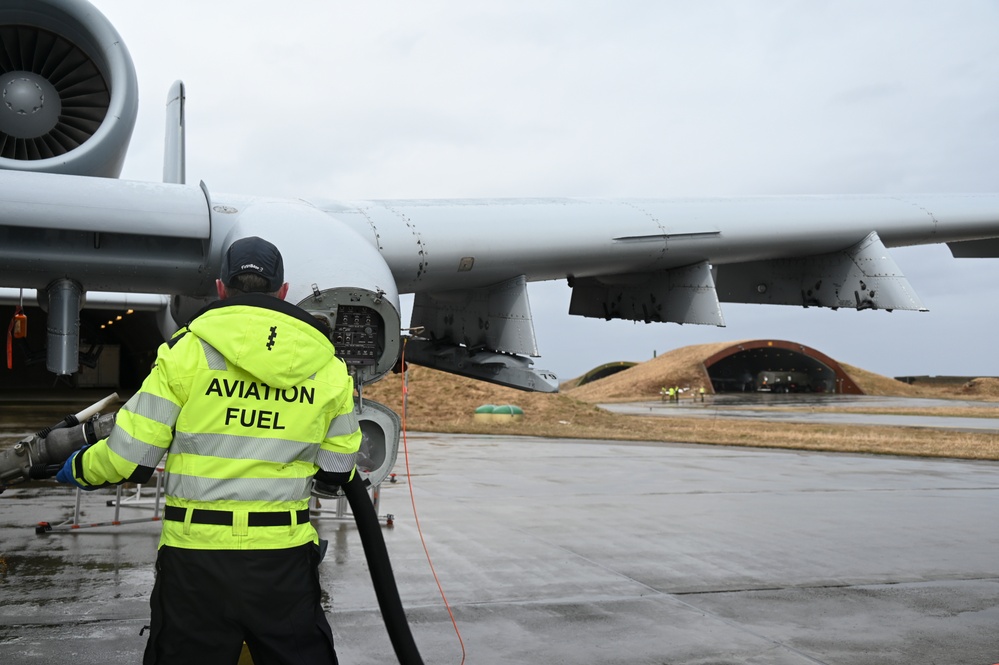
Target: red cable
[(10, 342), (412, 498)]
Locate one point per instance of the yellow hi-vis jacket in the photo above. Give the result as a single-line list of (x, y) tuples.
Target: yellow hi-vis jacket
[(250, 403)]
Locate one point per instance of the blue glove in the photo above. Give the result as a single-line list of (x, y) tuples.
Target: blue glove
[(65, 474)]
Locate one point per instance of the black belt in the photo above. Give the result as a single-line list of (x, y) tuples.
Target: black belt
[(224, 517)]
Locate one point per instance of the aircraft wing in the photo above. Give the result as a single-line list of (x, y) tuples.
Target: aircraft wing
[(468, 262), (672, 259)]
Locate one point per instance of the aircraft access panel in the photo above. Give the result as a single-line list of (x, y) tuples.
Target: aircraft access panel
[(357, 335)]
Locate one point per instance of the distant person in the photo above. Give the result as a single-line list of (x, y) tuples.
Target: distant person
[(249, 403)]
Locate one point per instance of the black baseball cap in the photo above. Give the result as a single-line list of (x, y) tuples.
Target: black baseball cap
[(253, 256)]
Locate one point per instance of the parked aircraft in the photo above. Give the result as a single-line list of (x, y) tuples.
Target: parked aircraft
[(75, 236)]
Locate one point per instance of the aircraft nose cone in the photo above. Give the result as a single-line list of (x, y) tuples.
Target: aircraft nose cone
[(31, 105)]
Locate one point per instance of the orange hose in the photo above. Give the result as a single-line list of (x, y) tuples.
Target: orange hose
[(412, 498)]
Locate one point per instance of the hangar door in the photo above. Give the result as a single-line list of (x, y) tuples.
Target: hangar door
[(777, 366)]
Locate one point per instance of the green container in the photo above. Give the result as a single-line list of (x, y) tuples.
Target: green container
[(508, 412), (484, 413)]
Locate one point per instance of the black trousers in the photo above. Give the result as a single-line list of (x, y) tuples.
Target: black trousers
[(205, 604)]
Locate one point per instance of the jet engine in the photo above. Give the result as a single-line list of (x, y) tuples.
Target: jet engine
[(68, 91)]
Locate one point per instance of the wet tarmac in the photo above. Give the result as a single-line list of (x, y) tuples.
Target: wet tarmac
[(586, 552), (817, 409)]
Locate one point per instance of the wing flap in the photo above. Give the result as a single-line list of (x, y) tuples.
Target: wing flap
[(975, 249)]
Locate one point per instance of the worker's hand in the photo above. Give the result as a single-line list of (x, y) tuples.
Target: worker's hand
[(328, 484), (65, 474)]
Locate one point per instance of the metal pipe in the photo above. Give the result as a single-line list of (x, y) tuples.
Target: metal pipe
[(64, 299)]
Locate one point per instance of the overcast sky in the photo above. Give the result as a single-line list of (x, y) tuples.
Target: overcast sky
[(458, 98)]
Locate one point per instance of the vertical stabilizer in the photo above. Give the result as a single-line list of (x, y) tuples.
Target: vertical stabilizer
[(173, 149)]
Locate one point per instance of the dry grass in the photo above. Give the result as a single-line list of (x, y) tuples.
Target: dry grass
[(986, 389), (440, 402), (680, 367)]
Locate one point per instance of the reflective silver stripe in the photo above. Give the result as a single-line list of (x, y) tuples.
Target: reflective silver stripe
[(153, 407), (345, 423), (135, 451), (336, 462), (237, 489), (228, 446), (215, 359)]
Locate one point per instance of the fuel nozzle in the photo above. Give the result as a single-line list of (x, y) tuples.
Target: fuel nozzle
[(56, 448), (42, 454)]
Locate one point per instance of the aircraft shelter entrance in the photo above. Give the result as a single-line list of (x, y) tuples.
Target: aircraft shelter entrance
[(604, 371), (776, 366)]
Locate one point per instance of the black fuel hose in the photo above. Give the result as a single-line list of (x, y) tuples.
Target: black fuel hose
[(381, 572)]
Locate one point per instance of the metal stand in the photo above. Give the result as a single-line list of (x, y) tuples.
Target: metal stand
[(341, 511), (136, 499), (133, 499)]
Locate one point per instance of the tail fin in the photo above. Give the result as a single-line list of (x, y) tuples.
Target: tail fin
[(173, 150)]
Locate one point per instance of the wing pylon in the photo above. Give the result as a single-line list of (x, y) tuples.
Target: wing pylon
[(863, 276), (484, 333), (682, 295)]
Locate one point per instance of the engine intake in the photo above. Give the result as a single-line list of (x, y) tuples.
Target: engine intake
[(68, 92)]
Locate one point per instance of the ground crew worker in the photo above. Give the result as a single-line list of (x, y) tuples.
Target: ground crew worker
[(249, 403), (662, 393)]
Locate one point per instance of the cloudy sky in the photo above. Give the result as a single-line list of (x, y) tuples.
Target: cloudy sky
[(605, 98)]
